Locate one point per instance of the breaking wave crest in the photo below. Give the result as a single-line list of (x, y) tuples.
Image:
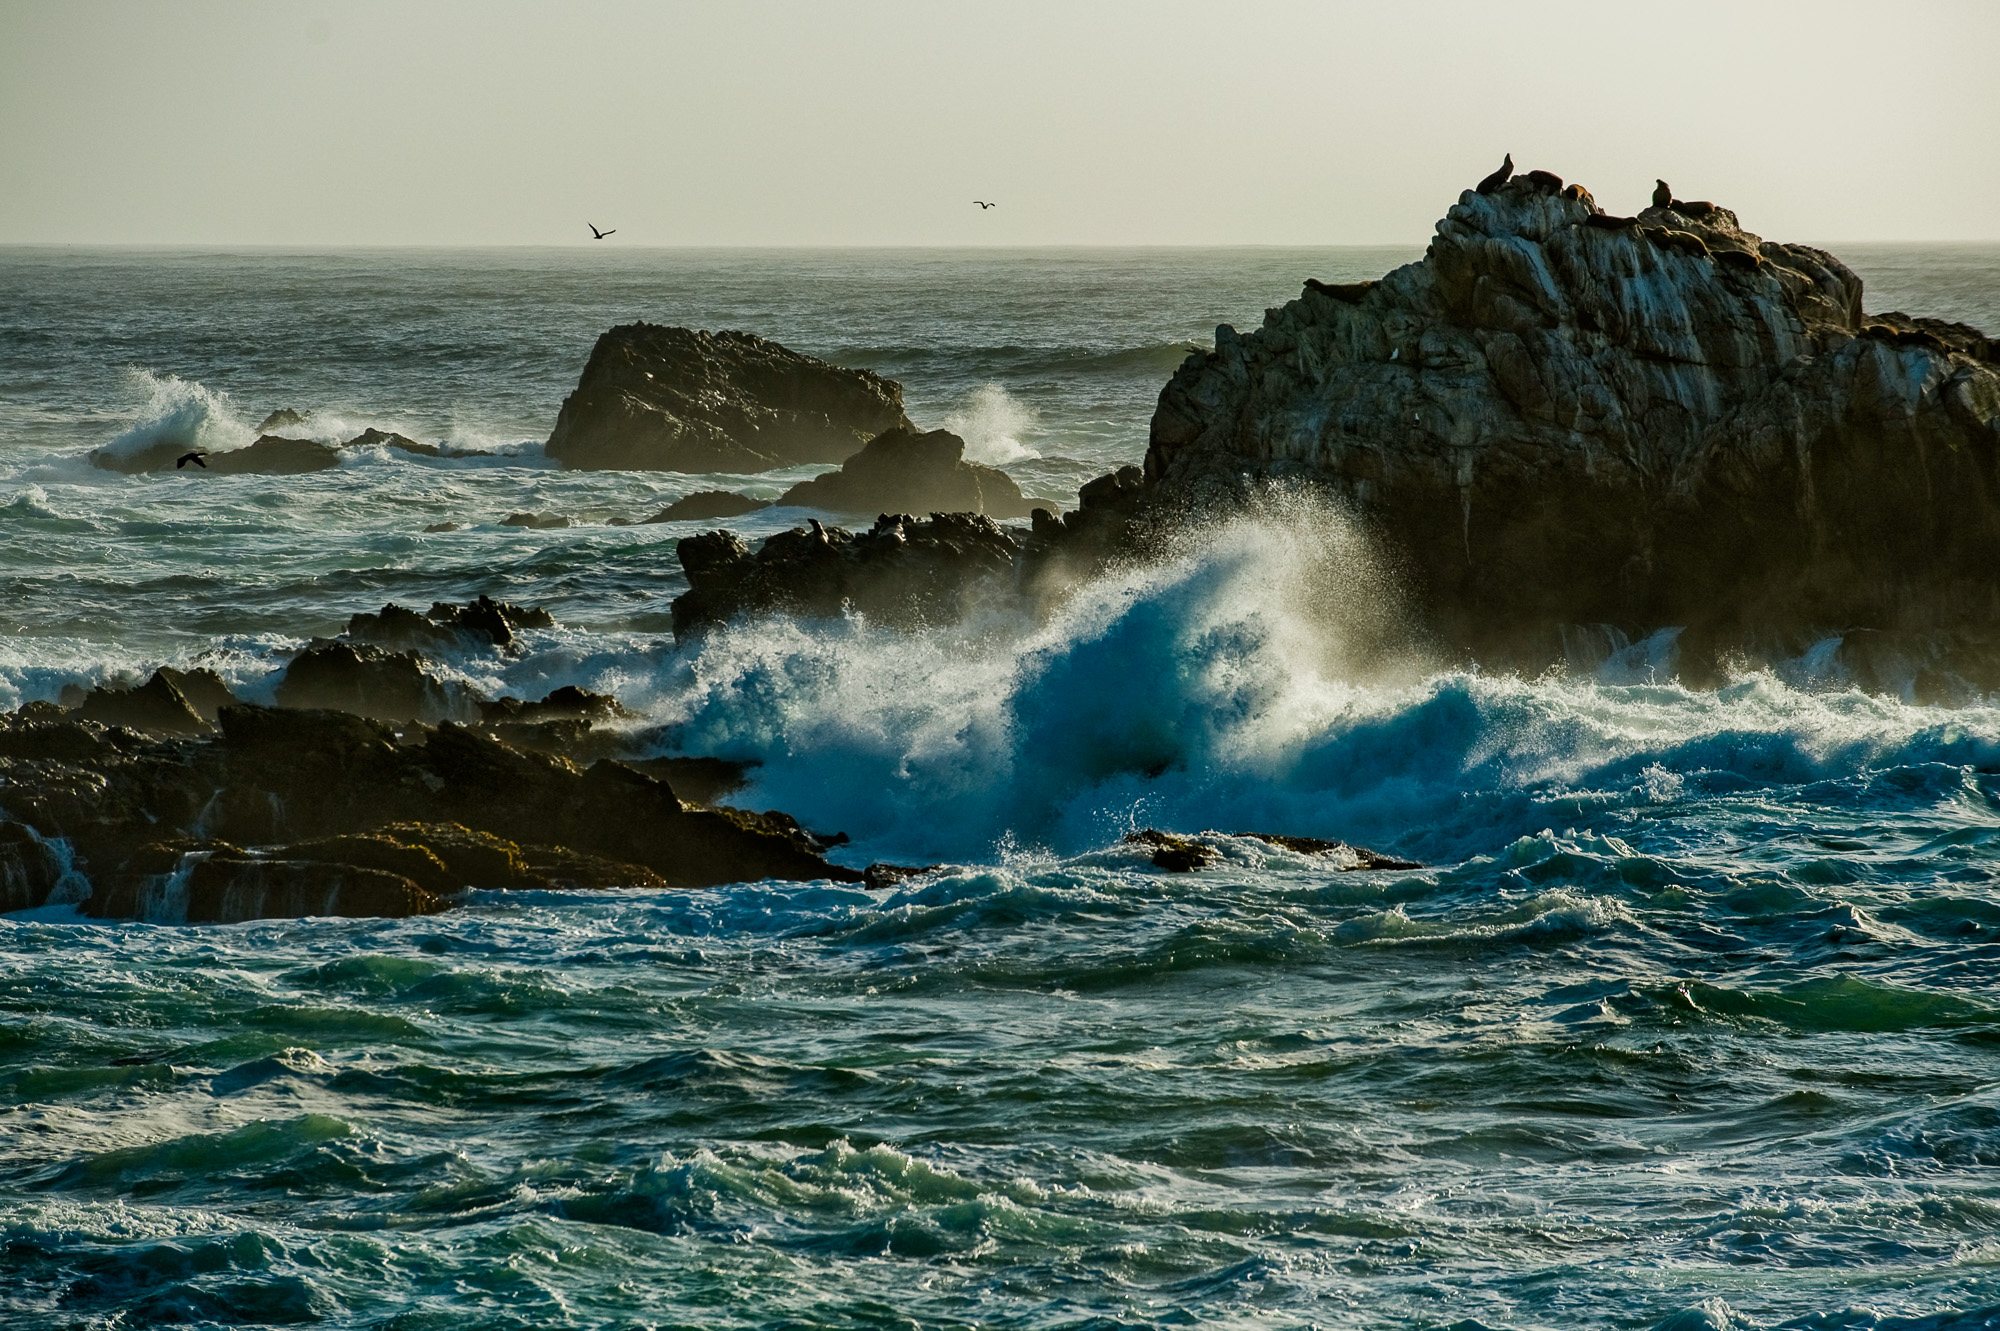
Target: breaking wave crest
[(1241, 685), (182, 414)]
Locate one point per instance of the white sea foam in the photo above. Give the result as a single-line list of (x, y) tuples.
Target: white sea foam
[(992, 422)]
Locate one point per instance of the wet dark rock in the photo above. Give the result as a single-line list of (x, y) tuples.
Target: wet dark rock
[(1347, 857), (880, 877), (284, 418), (443, 526), (274, 455), (299, 775), (356, 797), (30, 868), (706, 504), (367, 681), (204, 690), (568, 703), (660, 398), (697, 780), (1110, 521), (228, 890), (40, 710), (535, 521), (901, 571), (904, 471), (155, 705), (447, 627), (372, 437), (1175, 854)]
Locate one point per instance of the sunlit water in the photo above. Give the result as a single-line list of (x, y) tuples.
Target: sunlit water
[(1695, 1021)]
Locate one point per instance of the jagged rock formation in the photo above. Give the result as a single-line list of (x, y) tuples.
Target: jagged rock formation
[(901, 571), (1563, 418), (447, 627), (345, 815), (673, 399), (904, 471)]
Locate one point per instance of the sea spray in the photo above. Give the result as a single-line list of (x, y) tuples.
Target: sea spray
[(178, 416), (993, 423)]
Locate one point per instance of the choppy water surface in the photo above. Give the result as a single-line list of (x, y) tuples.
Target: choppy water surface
[(1695, 1022)]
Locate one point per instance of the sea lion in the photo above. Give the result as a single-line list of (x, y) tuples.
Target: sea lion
[(1498, 178), (1548, 182), (1349, 292), (1662, 196)]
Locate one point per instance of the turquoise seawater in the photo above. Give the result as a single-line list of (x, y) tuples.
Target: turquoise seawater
[(1693, 1022)]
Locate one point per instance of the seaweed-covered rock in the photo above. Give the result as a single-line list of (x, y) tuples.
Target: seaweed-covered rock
[(673, 399), (904, 471)]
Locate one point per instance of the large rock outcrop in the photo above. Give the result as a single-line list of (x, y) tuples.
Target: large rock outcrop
[(1560, 418), (673, 399), (910, 471)]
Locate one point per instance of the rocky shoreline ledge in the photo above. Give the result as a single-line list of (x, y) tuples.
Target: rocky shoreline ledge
[(359, 795)]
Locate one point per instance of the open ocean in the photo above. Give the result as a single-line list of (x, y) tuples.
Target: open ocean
[(1693, 1024)]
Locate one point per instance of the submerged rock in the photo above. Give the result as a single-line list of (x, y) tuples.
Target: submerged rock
[(274, 455), (535, 521), (673, 399), (1558, 418), (904, 471), (1184, 854), (706, 504), (900, 571), (1175, 854)]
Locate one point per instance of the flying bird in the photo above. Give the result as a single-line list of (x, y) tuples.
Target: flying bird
[(983, 205), (194, 457), (595, 234)]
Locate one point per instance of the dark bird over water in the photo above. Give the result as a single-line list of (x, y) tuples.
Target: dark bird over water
[(595, 234), (1498, 178), (194, 457), (983, 205), (1662, 196)]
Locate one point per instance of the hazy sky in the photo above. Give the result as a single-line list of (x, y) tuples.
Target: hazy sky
[(1216, 122)]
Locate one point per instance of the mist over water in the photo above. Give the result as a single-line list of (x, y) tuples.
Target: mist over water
[(1692, 1021)]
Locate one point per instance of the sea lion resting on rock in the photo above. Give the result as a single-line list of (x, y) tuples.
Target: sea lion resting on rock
[(1498, 178)]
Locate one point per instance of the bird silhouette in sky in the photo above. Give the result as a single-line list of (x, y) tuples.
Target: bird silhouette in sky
[(194, 457), (983, 205), (595, 234)]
